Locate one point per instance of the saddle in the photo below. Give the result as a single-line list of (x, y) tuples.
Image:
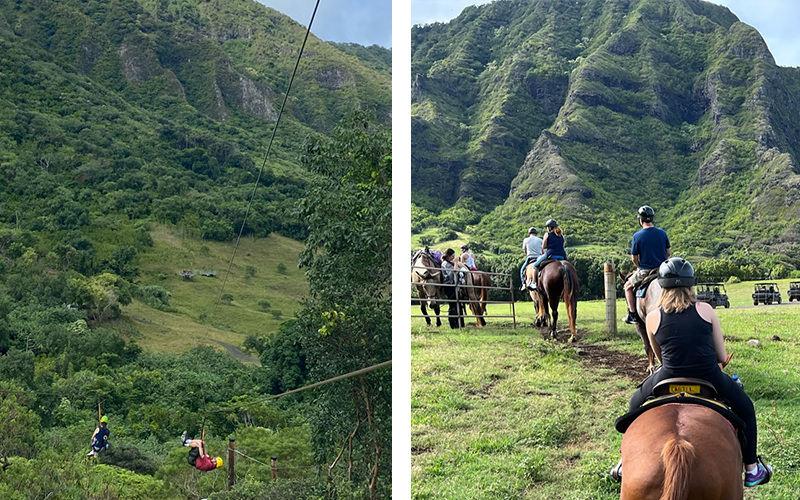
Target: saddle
[(548, 261), (641, 289), (435, 256), (684, 390)]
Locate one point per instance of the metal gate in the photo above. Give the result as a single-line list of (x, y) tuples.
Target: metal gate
[(465, 302)]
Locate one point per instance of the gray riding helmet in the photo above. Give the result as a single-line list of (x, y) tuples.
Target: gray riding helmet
[(675, 272)]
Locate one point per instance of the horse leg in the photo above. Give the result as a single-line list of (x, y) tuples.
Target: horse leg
[(648, 349), (437, 310), (425, 312), (553, 325)]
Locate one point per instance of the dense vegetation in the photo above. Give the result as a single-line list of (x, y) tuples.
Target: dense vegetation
[(584, 111), (122, 122)]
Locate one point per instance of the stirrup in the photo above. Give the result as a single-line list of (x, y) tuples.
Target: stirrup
[(616, 472), (767, 472)]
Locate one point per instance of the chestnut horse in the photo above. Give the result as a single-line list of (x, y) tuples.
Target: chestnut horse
[(557, 280), (681, 452), (428, 281), (644, 305), (477, 292)]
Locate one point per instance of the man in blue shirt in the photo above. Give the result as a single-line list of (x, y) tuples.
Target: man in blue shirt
[(649, 249)]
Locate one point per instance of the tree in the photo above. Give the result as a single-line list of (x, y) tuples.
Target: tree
[(346, 325), (226, 298), (277, 313), (264, 305), (281, 268)]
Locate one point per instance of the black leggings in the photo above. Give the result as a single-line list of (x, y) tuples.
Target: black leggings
[(194, 453), (726, 389), (452, 311)]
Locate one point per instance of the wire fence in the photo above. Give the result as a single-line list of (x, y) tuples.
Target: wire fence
[(498, 281)]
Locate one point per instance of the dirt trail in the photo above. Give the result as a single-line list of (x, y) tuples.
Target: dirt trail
[(593, 355)]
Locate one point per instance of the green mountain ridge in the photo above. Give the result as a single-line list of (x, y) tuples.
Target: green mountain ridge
[(586, 110)]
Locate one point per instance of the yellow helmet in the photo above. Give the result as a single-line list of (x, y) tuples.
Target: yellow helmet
[(219, 461)]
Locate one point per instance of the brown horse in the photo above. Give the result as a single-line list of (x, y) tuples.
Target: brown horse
[(477, 292), (427, 280), (644, 305), (681, 452), (557, 280)]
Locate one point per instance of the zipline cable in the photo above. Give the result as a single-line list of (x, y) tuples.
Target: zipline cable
[(310, 386), (276, 468), (266, 155)]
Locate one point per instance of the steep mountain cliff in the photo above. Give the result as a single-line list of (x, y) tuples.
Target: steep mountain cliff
[(586, 110), (163, 110)]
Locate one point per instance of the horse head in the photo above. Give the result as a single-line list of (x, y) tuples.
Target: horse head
[(426, 279)]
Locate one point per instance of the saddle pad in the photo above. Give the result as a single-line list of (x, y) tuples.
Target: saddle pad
[(641, 288)]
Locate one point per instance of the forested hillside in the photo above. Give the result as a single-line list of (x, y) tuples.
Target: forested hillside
[(584, 111), (131, 136)]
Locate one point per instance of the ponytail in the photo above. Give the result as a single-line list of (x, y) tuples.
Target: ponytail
[(558, 231)]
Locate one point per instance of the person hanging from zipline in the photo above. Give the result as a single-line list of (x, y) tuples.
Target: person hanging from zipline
[(198, 456), (99, 441)]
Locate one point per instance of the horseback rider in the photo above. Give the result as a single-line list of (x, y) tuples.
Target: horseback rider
[(532, 246), (450, 279), (99, 440), (466, 258), (687, 339), (650, 247), (552, 246)]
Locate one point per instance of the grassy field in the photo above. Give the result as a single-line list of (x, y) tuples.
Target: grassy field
[(195, 318), (500, 413)]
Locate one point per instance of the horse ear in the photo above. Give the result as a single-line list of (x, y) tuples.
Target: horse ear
[(427, 249)]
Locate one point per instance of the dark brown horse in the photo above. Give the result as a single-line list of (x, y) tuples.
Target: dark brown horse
[(477, 292), (427, 278), (681, 452), (558, 281), (644, 305)]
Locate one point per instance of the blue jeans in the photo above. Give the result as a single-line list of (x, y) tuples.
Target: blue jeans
[(528, 260)]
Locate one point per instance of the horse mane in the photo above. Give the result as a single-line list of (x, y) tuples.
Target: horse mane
[(678, 457)]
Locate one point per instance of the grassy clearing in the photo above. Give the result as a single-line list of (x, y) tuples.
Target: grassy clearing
[(196, 319), (502, 413)]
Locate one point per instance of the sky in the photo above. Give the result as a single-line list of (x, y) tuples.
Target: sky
[(365, 22), (776, 20)]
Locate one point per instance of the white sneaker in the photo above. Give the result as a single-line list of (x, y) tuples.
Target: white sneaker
[(90, 454)]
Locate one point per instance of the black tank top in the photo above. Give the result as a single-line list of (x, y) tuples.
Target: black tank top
[(687, 347)]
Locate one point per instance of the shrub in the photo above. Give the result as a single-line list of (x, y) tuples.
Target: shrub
[(281, 268), (264, 305), (276, 313), (155, 296), (226, 299)]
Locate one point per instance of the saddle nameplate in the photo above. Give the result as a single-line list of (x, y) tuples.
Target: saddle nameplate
[(688, 389)]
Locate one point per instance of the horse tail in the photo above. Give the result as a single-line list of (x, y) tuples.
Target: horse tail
[(678, 457), (570, 296)]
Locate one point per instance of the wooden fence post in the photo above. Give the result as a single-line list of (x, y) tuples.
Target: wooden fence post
[(231, 475), (274, 467), (611, 298)]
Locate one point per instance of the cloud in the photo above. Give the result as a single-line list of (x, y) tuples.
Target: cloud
[(366, 22)]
